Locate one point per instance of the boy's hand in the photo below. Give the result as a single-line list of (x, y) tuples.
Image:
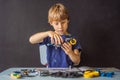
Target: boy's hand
[(55, 38), (67, 47)]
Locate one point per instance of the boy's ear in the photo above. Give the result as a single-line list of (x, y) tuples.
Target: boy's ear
[(50, 24)]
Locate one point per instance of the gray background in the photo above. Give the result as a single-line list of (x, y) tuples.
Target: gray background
[(96, 23)]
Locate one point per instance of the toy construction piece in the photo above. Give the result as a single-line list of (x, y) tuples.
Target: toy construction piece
[(28, 73), (91, 74), (72, 41), (16, 74), (23, 73)]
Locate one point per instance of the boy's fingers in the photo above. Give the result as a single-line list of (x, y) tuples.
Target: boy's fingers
[(63, 48), (56, 39), (69, 44), (52, 40), (61, 40), (66, 46)]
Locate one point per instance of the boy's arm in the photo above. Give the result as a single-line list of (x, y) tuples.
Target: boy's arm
[(73, 54), (38, 37)]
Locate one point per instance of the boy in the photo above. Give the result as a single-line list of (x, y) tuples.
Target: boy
[(63, 49)]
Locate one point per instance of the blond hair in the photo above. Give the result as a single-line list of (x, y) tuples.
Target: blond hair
[(57, 12)]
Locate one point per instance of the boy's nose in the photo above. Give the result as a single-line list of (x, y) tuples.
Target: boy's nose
[(60, 25)]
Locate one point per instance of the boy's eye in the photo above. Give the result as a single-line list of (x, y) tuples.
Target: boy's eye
[(56, 23), (63, 22)]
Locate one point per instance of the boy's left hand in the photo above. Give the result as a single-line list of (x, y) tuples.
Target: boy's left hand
[(67, 47)]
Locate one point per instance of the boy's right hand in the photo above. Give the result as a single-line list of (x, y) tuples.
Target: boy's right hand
[(55, 38)]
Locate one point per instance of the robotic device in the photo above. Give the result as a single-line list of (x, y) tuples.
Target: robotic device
[(68, 38), (60, 72)]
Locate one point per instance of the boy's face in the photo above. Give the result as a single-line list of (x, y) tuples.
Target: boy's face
[(60, 27)]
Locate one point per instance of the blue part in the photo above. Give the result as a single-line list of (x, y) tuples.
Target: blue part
[(112, 73), (49, 44), (109, 74), (106, 74), (17, 72), (102, 74)]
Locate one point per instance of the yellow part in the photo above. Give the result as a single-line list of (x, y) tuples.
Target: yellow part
[(90, 74), (95, 73), (86, 72), (15, 75), (73, 41)]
